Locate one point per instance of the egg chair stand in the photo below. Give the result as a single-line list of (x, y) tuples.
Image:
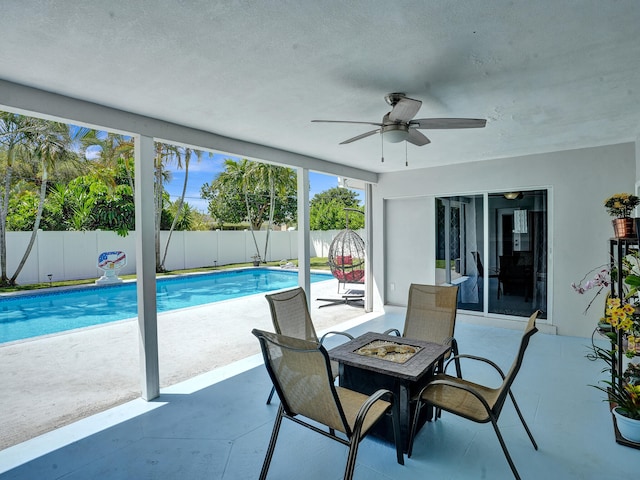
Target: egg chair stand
[(346, 260), (350, 297)]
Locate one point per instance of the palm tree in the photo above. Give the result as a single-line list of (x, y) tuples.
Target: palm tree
[(39, 143), (47, 143), (278, 181), (115, 153), (12, 136), (180, 154), (261, 187)]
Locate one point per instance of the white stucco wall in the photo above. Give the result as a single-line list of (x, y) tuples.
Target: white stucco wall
[(579, 227)]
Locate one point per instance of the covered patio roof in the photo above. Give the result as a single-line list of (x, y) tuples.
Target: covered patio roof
[(250, 76)]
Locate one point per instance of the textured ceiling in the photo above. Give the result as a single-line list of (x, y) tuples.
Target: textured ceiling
[(547, 75)]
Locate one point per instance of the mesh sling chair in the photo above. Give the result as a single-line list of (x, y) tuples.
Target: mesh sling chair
[(475, 402), (290, 316), (301, 373), (431, 316)]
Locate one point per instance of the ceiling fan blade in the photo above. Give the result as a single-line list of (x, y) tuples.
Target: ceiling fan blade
[(359, 137), (348, 121), (404, 110), (417, 138), (444, 123)]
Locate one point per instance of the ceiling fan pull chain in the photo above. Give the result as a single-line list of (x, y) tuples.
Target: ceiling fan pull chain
[(382, 144), (406, 159)]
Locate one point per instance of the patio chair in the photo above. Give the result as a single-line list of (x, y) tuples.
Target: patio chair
[(301, 374), (431, 316), (476, 402), (290, 316)]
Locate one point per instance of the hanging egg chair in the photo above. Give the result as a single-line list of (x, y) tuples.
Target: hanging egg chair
[(346, 256)]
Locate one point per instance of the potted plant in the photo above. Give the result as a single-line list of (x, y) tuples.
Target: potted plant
[(256, 259), (623, 397), (623, 389), (621, 207)]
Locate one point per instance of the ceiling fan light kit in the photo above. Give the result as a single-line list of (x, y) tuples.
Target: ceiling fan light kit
[(395, 133)]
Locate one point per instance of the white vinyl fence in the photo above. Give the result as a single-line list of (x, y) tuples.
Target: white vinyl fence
[(58, 256)]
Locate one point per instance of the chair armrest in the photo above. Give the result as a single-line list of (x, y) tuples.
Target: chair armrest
[(474, 357), (392, 330), (366, 406), (349, 336)]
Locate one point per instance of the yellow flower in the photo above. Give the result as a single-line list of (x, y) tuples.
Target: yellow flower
[(628, 309), (625, 324), (613, 302), (618, 313)]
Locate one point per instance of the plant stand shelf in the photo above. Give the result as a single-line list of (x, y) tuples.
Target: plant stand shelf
[(618, 249)]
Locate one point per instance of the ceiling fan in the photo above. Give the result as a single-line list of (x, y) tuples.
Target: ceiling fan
[(399, 124)]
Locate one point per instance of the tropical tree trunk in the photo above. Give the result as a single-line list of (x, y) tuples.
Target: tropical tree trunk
[(272, 209), (4, 211), (36, 224), (179, 207), (158, 190), (253, 233)]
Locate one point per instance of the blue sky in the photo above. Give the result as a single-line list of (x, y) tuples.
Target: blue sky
[(208, 167), (205, 170)]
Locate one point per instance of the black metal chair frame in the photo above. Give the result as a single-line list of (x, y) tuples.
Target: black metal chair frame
[(492, 411), (354, 435)]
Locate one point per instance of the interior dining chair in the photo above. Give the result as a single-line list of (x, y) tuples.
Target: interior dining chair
[(476, 402), (290, 316), (301, 374), (431, 316)]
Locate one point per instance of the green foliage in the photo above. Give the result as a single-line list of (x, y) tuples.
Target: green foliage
[(23, 206), (327, 210), (226, 202), (618, 390), (88, 203), (344, 196), (243, 192), (185, 220)]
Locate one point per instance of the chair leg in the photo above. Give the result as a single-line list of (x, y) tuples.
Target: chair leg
[(351, 458), (273, 389), (526, 427), (395, 421), (414, 427), (504, 449), (272, 444)]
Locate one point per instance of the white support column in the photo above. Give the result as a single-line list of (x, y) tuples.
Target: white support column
[(368, 266), (146, 267), (304, 278)]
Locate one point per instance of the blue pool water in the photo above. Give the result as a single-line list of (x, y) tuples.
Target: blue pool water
[(26, 316)]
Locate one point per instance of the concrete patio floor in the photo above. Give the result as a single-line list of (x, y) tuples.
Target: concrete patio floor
[(52, 381), (216, 425)]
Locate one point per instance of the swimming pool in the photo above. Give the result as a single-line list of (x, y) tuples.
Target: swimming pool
[(26, 316)]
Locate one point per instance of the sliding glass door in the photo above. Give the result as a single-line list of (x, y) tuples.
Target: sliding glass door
[(496, 255), (459, 243)]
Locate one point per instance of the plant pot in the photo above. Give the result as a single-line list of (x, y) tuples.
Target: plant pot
[(628, 427), (624, 227), (256, 263)]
